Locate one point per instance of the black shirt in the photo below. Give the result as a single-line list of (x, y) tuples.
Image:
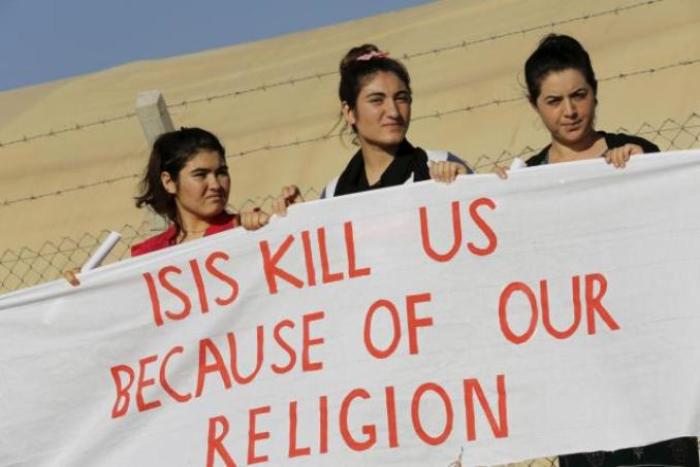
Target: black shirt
[(612, 140)]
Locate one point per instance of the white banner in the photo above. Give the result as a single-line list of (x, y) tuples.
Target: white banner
[(555, 312)]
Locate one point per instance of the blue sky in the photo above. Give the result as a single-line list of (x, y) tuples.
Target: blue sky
[(44, 40)]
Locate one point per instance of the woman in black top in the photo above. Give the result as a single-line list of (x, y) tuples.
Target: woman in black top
[(375, 97), (562, 89)]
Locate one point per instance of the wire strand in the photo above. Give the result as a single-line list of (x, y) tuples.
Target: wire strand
[(298, 142), (320, 75)]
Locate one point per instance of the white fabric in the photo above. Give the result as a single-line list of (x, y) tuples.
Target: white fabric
[(638, 228)]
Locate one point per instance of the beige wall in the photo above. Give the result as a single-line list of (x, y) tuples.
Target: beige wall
[(465, 59)]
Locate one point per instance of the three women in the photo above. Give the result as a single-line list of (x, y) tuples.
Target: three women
[(187, 178)]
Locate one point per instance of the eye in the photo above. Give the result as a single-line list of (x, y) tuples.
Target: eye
[(403, 98), (553, 101)]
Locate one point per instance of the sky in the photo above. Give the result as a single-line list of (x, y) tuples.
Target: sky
[(45, 40)]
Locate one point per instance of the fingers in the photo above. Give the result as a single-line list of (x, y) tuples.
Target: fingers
[(71, 276), (635, 149), (445, 171), (501, 172), (279, 206), (436, 169), (619, 157), (615, 157), (290, 195), (253, 220)]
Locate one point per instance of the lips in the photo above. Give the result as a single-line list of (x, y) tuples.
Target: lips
[(572, 126), (394, 126)]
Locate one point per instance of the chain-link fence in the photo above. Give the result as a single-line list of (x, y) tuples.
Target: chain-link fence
[(27, 267)]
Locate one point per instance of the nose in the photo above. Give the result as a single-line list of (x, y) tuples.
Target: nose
[(214, 182), (391, 109), (569, 108)]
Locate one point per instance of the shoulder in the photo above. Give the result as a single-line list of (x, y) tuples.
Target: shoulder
[(222, 223), (539, 158), (167, 238), (329, 189), (155, 243), (439, 155), (615, 140), (349, 175)]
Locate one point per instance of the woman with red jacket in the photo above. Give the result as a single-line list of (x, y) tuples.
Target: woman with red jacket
[(187, 181)]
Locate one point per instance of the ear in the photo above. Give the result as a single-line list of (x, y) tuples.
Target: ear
[(168, 183), (348, 114)]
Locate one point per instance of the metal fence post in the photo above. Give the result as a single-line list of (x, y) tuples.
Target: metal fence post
[(155, 120)]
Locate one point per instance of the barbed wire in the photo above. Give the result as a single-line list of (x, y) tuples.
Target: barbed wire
[(262, 87), (315, 139), (422, 53), (27, 266), (84, 186), (320, 75), (523, 31), (70, 129), (652, 70), (684, 135)]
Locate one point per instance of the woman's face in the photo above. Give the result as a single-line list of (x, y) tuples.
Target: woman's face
[(382, 111), (566, 105), (202, 186)]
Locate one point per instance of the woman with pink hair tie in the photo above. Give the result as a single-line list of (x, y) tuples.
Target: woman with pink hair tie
[(375, 97)]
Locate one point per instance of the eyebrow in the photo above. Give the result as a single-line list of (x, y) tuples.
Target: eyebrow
[(582, 88), (224, 164), (199, 171), (383, 94)]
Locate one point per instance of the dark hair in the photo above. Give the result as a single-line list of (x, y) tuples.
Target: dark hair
[(354, 73), (557, 52), (171, 151)]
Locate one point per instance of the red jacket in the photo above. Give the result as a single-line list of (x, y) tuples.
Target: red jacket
[(165, 239)]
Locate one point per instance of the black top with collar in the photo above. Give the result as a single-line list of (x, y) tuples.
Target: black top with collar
[(408, 161), (612, 140)]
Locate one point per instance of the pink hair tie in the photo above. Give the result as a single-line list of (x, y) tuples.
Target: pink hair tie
[(371, 55)]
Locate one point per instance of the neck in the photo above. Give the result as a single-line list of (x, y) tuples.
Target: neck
[(191, 227), (376, 160), (590, 146)]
